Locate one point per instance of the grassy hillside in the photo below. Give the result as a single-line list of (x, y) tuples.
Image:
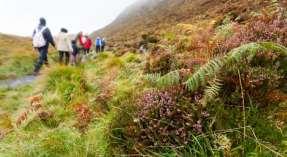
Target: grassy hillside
[(16, 56), (155, 16), (111, 107), (205, 88)]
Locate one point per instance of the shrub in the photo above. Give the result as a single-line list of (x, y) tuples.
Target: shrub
[(224, 31), (182, 45), (201, 41), (245, 52), (257, 81), (159, 61), (148, 38), (121, 131), (84, 117), (130, 58), (264, 28), (169, 36), (162, 121)]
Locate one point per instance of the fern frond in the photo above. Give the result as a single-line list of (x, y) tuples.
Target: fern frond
[(172, 78), (213, 67), (152, 78), (212, 90), (201, 76)]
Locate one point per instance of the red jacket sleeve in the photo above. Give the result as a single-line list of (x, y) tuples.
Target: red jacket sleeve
[(81, 40)]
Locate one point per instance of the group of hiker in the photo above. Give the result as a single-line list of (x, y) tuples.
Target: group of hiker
[(69, 49)]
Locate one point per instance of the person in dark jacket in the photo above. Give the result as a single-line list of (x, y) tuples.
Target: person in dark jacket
[(103, 45), (75, 52), (43, 50)]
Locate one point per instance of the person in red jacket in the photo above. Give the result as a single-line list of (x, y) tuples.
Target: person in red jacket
[(87, 45), (80, 40)]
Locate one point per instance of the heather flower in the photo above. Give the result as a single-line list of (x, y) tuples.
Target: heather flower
[(205, 114), (261, 29), (197, 127), (162, 121)]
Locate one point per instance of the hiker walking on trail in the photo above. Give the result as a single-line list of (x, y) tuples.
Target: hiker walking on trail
[(98, 43), (64, 46), (75, 53), (42, 37), (87, 45), (103, 45), (80, 41)]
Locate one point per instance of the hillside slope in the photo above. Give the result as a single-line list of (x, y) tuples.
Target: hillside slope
[(16, 56), (163, 103), (153, 16)]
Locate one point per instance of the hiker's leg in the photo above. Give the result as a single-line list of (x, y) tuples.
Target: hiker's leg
[(41, 59), (76, 59), (67, 55), (73, 59), (46, 62), (61, 55)]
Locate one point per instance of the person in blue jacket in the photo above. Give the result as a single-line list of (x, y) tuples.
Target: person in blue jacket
[(98, 43), (46, 39)]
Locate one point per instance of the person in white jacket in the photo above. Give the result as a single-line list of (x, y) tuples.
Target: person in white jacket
[(64, 46)]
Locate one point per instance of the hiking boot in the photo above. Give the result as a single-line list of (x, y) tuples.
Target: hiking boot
[(35, 73), (47, 65)]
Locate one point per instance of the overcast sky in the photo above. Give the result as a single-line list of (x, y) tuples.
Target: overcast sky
[(20, 17)]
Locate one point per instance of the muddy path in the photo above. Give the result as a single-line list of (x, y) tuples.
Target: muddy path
[(14, 83)]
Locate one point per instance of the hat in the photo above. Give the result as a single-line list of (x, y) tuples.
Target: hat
[(42, 21), (64, 30)]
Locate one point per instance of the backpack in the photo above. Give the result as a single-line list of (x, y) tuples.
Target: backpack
[(38, 38)]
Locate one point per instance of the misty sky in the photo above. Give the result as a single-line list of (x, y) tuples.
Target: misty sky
[(20, 17)]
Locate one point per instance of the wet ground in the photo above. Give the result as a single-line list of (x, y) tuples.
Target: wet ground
[(13, 83)]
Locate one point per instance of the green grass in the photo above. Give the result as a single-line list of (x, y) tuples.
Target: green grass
[(67, 82), (62, 87), (17, 67), (14, 99), (16, 57)]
